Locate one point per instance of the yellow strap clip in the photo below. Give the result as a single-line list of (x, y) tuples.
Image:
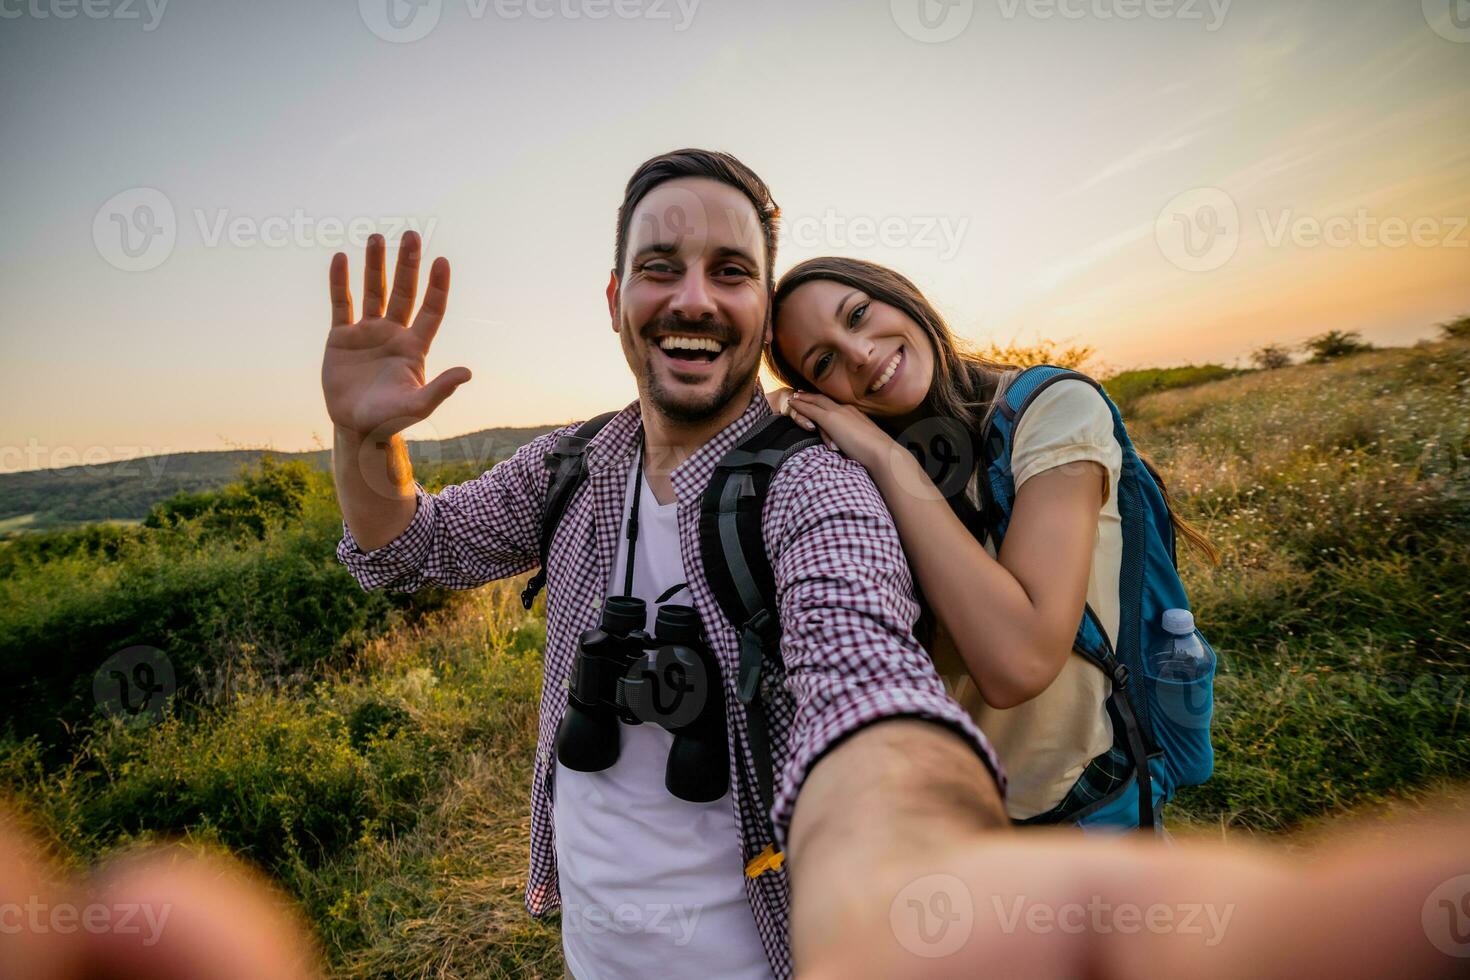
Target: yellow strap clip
[(768, 860)]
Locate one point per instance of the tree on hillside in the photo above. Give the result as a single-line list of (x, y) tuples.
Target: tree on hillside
[(1456, 329), (1074, 356), (1271, 357), (1333, 344)]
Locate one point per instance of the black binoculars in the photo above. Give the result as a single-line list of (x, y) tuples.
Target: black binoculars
[(670, 679)]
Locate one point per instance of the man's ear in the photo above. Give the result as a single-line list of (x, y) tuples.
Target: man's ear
[(770, 331), (612, 298)]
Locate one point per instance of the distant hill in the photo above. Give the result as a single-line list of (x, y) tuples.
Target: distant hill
[(123, 491)]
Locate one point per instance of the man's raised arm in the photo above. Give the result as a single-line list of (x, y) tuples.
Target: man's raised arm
[(394, 534)]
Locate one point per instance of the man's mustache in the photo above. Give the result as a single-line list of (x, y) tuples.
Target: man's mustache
[(712, 329)]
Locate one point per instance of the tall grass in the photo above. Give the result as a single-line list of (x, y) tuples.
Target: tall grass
[(373, 752), (1340, 497)]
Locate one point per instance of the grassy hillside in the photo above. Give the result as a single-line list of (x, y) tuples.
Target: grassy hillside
[(373, 753), (63, 497)]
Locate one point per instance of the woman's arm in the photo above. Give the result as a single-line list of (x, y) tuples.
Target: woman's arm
[(1016, 641)]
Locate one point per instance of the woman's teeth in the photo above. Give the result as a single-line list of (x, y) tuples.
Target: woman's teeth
[(887, 374)]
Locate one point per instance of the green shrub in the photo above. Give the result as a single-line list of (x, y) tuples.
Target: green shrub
[(1127, 387), (1334, 344), (249, 587), (1271, 357)]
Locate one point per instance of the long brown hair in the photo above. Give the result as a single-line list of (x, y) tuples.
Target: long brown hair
[(966, 385)]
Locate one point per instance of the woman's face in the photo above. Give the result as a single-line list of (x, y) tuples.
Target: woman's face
[(854, 349)]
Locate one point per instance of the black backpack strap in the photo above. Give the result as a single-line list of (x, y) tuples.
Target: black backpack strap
[(568, 469), (739, 572)]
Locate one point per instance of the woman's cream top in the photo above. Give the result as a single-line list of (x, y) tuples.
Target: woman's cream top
[(1046, 742)]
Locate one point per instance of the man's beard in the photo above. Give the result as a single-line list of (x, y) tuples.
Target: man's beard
[(739, 379)]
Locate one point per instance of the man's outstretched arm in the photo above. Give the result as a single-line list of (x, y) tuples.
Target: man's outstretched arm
[(394, 534), (1055, 903), (871, 815), (883, 767)]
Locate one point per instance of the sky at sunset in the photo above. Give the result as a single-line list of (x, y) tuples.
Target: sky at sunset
[(1169, 181)]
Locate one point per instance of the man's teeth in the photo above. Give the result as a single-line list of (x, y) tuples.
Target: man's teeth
[(887, 374), (691, 343)]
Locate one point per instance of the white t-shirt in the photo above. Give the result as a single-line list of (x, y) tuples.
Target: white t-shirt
[(651, 885), (1046, 742)]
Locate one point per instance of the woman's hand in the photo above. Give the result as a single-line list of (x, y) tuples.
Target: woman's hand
[(843, 428)]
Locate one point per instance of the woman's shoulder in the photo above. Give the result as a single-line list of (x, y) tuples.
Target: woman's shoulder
[(1067, 421), (1073, 401)]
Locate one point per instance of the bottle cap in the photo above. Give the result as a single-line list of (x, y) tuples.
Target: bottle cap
[(1180, 622)]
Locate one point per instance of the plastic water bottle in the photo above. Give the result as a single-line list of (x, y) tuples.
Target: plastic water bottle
[(1185, 656)]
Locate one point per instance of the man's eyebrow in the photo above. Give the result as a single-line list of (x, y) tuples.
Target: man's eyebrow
[(660, 248)]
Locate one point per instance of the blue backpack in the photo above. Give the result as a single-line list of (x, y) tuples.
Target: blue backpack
[(1161, 714)]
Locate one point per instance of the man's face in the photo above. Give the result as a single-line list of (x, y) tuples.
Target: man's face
[(691, 301)]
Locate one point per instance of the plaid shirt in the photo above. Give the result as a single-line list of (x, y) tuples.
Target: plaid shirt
[(843, 585)]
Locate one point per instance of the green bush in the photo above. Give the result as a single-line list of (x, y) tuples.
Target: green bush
[(1334, 344), (250, 583), (1271, 357), (1127, 387)]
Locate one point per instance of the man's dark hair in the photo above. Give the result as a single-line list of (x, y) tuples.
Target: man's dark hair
[(714, 165)]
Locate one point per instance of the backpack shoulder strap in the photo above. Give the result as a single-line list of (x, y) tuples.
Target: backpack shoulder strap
[(731, 539), (740, 576), (568, 470), (997, 476)]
